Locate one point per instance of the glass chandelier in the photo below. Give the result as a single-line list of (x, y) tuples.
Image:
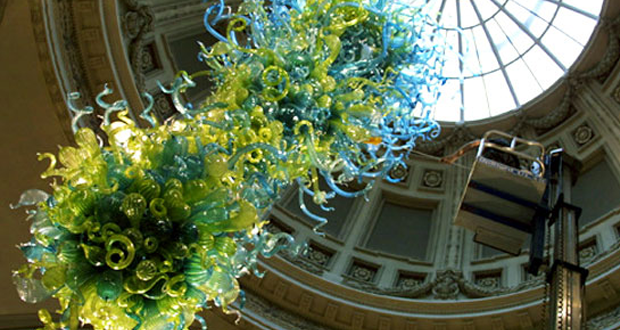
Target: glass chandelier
[(143, 231)]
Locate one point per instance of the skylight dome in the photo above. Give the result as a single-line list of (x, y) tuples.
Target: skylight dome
[(508, 51)]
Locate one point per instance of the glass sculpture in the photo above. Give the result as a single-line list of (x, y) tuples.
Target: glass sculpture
[(144, 230)]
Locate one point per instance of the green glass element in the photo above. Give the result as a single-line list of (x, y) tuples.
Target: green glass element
[(176, 286), (95, 255), (188, 232), (222, 287), (110, 285), (83, 202), (195, 272), (158, 208), (119, 258), (109, 229), (177, 250), (134, 285), (146, 270), (148, 188), (176, 146), (117, 177), (70, 252), (157, 227), (93, 231), (205, 238), (173, 184), (134, 206), (108, 210), (226, 246), (195, 190), (177, 209), (135, 236), (54, 278), (150, 244)]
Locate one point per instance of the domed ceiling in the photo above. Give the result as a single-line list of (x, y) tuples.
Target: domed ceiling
[(507, 52)]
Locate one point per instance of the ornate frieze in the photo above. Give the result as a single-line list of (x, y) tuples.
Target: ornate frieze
[(448, 284), (136, 23), (432, 179)]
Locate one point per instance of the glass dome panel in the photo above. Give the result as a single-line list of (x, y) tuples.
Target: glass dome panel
[(504, 53)]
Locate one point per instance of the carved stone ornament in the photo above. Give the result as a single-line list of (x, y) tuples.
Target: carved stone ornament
[(583, 134), (365, 274), (137, 22), (399, 172), (432, 179), (163, 106), (132, 24), (587, 254), (317, 256), (489, 282), (408, 283), (447, 284), (148, 60)]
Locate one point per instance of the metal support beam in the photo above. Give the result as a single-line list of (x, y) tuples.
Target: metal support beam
[(566, 277)]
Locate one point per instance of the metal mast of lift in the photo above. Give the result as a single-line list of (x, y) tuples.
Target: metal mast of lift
[(504, 202)]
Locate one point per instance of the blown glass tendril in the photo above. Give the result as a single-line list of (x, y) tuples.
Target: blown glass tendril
[(146, 231)]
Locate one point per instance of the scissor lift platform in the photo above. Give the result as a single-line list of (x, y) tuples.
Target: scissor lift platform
[(500, 201)]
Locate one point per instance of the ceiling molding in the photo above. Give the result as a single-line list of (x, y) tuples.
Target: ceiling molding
[(333, 305)]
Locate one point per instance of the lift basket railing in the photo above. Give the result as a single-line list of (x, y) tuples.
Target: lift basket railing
[(499, 201)]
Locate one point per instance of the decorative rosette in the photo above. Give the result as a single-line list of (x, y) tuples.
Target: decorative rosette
[(146, 229)]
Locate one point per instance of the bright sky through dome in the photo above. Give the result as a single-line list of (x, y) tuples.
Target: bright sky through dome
[(511, 51)]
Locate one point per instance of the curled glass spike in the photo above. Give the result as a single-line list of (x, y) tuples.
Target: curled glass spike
[(143, 232)]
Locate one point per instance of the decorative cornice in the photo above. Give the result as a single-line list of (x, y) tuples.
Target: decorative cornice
[(47, 68), (283, 318)]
